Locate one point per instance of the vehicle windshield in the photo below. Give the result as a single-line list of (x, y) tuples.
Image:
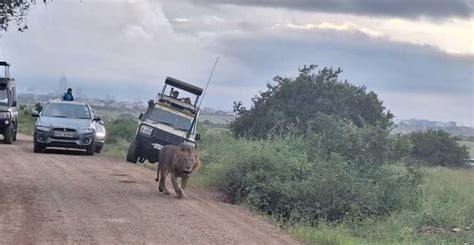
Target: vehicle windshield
[(67, 111), (3, 97), (168, 118)]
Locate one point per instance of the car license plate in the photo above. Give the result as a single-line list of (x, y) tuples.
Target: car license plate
[(157, 146), (64, 134)]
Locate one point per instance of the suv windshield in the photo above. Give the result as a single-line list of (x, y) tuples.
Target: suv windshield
[(168, 118), (3, 97), (67, 111)]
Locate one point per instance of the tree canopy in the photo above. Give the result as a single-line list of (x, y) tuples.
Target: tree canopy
[(295, 105), (15, 11), (438, 148)]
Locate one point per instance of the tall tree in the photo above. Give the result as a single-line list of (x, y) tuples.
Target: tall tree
[(15, 11), (295, 105)]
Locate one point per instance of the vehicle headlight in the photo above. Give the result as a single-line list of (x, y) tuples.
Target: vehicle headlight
[(42, 127), (5, 115), (146, 130), (100, 134), (190, 143), (86, 130)]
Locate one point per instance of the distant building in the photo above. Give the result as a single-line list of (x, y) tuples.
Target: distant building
[(63, 85)]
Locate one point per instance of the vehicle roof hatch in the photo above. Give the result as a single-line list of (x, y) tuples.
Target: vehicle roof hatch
[(184, 86)]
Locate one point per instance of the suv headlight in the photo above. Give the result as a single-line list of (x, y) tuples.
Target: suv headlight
[(146, 130), (40, 127), (5, 115), (100, 133)]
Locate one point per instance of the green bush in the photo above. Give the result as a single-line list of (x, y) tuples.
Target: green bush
[(120, 130), (438, 148), (26, 122), (280, 178)]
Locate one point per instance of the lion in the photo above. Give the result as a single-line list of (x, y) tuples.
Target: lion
[(179, 161)]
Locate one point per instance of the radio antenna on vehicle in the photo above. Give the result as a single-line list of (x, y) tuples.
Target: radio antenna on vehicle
[(208, 81)]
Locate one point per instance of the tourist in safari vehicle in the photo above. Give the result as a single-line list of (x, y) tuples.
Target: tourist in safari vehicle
[(68, 95)]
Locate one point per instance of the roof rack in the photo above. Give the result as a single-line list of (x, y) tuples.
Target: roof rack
[(7, 68), (184, 86)]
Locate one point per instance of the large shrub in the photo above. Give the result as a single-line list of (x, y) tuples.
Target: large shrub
[(294, 105), (438, 148), (280, 178), (311, 148), (120, 130)]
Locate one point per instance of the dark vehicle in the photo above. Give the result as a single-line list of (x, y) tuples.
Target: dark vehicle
[(168, 120), (67, 125), (8, 106)]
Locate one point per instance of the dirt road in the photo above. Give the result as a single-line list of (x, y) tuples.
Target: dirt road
[(59, 197)]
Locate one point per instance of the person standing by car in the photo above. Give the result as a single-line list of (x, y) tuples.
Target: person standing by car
[(68, 95)]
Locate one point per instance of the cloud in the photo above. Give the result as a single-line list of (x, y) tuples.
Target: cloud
[(331, 26), (389, 68), (390, 8), (129, 49)]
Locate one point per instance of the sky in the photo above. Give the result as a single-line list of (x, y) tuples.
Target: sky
[(417, 55)]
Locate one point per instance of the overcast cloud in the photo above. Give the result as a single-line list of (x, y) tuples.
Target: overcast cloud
[(127, 48), (390, 8)]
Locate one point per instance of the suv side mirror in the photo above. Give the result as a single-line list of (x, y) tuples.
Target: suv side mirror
[(35, 114), (140, 117), (198, 137), (14, 103), (97, 118)]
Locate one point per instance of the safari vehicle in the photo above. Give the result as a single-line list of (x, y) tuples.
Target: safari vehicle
[(8, 106), (167, 120), (64, 124)]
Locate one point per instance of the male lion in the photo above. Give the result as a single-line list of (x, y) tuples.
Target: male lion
[(179, 161)]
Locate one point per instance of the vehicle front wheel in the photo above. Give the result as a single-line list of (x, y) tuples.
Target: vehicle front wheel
[(36, 147), (90, 150), (8, 135), (132, 152), (98, 149), (14, 134)]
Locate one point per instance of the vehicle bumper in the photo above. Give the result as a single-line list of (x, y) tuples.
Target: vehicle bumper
[(83, 141)]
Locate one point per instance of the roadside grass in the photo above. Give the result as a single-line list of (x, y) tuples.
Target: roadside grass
[(117, 149), (470, 146), (26, 121), (447, 205)]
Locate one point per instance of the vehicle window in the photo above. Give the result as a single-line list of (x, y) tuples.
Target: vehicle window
[(67, 111), (3, 97), (168, 118)]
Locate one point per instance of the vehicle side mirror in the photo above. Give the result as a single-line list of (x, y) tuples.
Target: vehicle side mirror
[(97, 118), (35, 114), (14, 103), (140, 117), (198, 137)]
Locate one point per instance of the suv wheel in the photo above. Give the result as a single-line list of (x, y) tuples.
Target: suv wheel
[(16, 132), (8, 135), (36, 147), (132, 152), (98, 149), (90, 150)]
